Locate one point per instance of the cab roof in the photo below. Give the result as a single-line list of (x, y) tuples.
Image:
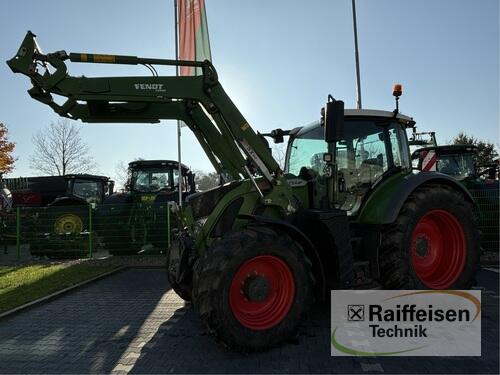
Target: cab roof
[(449, 149), (157, 164), (85, 176), (376, 113), (360, 113)]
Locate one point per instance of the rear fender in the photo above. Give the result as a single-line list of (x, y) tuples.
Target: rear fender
[(384, 204)]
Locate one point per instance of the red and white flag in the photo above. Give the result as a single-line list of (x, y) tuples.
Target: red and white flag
[(194, 43)]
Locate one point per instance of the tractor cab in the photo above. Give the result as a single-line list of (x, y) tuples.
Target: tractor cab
[(456, 161), (151, 177), (89, 188), (69, 189), (372, 145)]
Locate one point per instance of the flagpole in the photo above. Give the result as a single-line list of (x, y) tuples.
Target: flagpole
[(178, 121), (356, 56)]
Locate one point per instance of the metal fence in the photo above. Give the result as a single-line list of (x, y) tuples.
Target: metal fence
[(487, 201), (120, 229), (80, 231)]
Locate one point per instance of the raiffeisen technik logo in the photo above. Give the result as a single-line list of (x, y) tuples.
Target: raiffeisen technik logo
[(413, 323), (410, 313)]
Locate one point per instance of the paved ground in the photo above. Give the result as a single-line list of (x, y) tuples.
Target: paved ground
[(131, 322)]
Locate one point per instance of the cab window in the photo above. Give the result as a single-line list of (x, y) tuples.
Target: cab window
[(307, 152), (91, 191), (368, 150)]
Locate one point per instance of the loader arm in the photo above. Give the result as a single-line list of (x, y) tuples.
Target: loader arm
[(199, 101)]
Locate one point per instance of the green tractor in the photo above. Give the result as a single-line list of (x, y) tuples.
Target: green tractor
[(55, 211), (482, 182), (139, 216), (347, 212)]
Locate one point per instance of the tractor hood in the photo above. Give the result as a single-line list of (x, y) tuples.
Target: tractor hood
[(203, 203)]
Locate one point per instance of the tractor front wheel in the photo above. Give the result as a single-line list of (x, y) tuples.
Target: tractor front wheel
[(183, 289), (434, 243), (252, 288)]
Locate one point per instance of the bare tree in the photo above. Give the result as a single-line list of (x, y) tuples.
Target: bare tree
[(59, 150), (121, 175), (279, 154)]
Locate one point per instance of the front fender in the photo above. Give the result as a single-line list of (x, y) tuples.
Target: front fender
[(385, 202), (68, 201)]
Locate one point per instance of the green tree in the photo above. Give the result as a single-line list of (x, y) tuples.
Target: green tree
[(205, 181), (487, 152)]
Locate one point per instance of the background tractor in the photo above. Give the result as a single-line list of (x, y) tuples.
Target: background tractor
[(139, 216), (55, 211), (482, 182), (347, 212)]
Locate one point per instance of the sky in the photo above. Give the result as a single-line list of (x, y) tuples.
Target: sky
[(278, 60)]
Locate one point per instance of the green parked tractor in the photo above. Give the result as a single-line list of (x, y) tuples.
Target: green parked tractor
[(55, 211), (129, 220), (347, 212), (482, 182)]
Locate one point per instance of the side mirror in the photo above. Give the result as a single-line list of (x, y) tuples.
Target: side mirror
[(111, 187), (334, 121)]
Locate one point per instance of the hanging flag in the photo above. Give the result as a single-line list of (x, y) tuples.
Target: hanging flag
[(194, 43)]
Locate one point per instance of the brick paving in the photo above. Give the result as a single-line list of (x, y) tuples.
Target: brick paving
[(132, 323)]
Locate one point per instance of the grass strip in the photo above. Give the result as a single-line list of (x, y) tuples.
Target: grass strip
[(20, 285)]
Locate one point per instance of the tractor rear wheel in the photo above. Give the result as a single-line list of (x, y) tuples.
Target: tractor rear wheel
[(60, 231), (433, 244), (252, 288)]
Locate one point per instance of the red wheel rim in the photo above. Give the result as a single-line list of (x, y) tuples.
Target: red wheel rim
[(262, 292), (438, 249)]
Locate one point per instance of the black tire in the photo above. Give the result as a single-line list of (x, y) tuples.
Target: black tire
[(221, 264), (183, 290), (400, 242)]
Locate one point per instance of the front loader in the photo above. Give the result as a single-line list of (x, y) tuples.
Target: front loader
[(347, 212)]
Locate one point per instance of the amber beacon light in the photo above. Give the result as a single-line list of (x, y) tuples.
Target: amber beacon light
[(397, 89)]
